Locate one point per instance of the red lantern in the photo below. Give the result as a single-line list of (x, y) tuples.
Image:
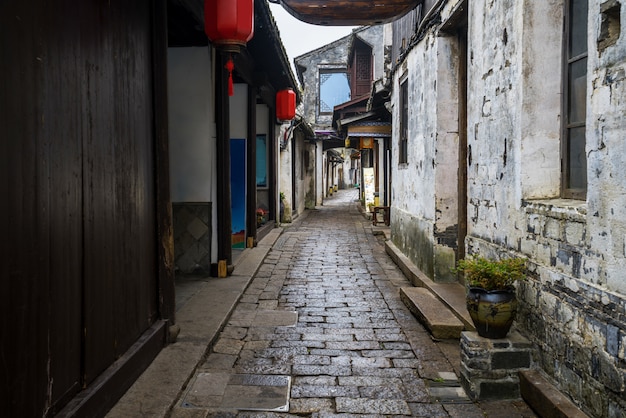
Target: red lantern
[(285, 104), (229, 24)]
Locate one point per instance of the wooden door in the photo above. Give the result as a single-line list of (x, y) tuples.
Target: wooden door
[(79, 255)]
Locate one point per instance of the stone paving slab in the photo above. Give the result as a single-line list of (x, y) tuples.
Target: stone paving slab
[(347, 346), (272, 318), (226, 391)]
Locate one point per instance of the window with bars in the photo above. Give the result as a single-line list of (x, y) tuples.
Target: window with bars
[(574, 158), (334, 90)]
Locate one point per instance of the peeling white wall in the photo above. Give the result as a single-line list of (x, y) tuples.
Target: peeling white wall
[(574, 304), (424, 190), (606, 151)]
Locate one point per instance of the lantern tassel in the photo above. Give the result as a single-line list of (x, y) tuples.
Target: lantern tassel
[(230, 66)]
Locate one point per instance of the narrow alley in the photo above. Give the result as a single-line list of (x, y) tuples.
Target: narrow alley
[(321, 331)]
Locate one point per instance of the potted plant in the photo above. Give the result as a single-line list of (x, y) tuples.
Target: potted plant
[(491, 299), (261, 216)]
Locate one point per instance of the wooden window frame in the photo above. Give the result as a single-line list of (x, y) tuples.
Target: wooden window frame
[(323, 71), (403, 142), (567, 191)]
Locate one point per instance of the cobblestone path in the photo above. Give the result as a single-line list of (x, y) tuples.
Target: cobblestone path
[(322, 332)]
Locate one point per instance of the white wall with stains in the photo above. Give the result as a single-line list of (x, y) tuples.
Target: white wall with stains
[(573, 304)]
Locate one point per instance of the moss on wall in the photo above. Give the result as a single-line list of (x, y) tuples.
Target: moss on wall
[(414, 238)]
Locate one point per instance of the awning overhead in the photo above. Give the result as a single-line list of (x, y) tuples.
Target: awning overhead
[(370, 130), (348, 12), (334, 156), (329, 139)]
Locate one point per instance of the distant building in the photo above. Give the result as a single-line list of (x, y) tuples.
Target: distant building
[(337, 80)]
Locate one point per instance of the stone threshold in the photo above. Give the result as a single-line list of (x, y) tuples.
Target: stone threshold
[(431, 312), (451, 295)]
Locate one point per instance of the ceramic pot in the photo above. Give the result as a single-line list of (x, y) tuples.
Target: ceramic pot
[(492, 311)]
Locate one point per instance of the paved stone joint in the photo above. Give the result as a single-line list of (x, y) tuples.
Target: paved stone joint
[(355, 349)]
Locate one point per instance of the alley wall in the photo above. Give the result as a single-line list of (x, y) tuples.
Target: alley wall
[(573, 301)]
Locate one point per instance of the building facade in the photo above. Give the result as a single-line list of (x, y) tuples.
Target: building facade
[(224, 150), (508, 141), (297, 169)]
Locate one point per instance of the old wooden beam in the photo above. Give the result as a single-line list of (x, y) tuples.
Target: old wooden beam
[(348, 12)]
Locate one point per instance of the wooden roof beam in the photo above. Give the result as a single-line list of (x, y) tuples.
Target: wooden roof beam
[(347, 12)]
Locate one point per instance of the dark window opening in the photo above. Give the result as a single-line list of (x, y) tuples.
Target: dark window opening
[(403, 156), (574, 158)]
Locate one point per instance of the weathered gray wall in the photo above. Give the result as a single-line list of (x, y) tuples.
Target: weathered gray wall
[(425, 188), (573, 304), (331, 56)]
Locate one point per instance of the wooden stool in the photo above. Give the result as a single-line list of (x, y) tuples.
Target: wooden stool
[(385, 210)]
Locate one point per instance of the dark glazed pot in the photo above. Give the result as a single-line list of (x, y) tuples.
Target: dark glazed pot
[(492, 311)]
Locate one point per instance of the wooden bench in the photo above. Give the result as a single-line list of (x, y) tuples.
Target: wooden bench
[(384, 210)]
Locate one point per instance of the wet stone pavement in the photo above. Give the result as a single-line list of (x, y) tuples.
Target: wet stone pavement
[(321, 332)]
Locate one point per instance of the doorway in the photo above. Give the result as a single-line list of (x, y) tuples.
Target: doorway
[(238, 192)]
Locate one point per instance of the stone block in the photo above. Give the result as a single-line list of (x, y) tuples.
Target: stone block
[(543, 254), (499, 389), (553, 229), (534, 225), (510, 360), (574, 233), (612, 340), (430, 311), (489, 367), (544, 398)]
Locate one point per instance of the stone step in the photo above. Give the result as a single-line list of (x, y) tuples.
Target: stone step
[(451, 294), (454, 296), (431, 312), (546, 399)]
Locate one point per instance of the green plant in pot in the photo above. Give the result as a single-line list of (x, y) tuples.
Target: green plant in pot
[(491, 299)]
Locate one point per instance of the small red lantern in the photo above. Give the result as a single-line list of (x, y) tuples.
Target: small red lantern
[(285, 104), (229, 24)]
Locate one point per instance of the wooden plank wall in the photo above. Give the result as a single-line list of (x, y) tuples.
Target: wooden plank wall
[(79, 257)]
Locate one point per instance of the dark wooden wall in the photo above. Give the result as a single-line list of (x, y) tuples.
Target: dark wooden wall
[(79, 259), (403, 30)]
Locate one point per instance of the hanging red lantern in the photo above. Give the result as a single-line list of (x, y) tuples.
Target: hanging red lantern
[(285, 104), (229, 24)]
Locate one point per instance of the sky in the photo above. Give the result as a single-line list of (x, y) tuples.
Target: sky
[(299, 37)]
